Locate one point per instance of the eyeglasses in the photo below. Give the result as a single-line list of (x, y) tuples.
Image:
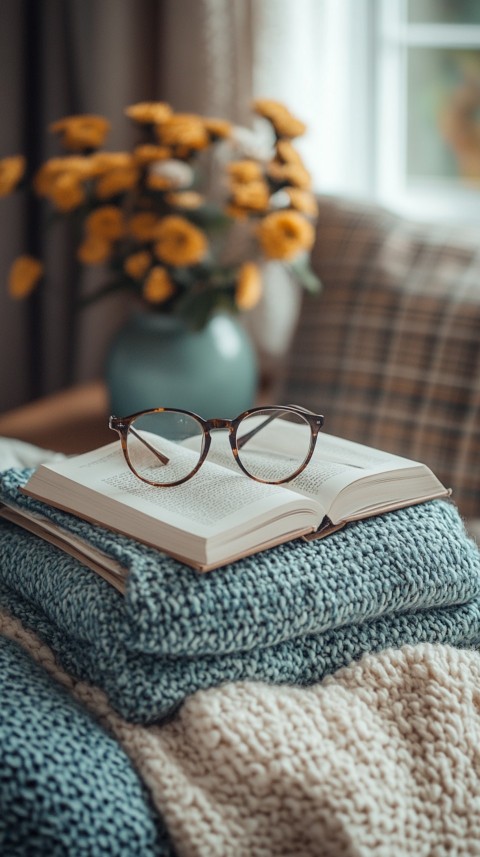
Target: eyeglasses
[(167, 446)]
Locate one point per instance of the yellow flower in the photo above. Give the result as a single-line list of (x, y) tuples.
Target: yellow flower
[(217, 129), (236, 211), (11, 172), (185, 130), (78, 166), (116, 181), (106, 223), (81, 132), (155, 181), (187, 199), (285, 234), (249, 286), (149, 112), (254, 195), (137, 265), (302, 201), (287, 153), (158, 286), (284, 124), (102, 162), (244, 171), (93, 250), (67, 192), (143, 226), (46, 176), (179, 242), (24, 275), (294, 174), (148, 154)]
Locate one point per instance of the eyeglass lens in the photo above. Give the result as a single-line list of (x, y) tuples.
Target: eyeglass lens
[(273, 444), (166, 446)]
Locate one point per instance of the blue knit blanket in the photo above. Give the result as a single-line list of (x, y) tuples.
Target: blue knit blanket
[(66, 787), (289, 615)]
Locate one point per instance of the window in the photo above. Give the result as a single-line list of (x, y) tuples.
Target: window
[(428, 107), (390, 91)]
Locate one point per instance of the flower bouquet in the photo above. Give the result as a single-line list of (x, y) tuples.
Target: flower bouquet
[(185, 219)]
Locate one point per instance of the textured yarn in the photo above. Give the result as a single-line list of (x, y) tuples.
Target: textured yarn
[(66, 786), (415, 558), (381, 759), (291, 614)]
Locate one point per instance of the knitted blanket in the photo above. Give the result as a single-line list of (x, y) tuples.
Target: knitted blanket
[(380, 759), (66, 786), (289, 615)]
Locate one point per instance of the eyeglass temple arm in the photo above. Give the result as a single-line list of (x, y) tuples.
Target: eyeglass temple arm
[(161, 457), (246, 437)]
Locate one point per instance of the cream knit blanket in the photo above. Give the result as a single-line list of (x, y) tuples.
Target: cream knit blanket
[(382, 758)]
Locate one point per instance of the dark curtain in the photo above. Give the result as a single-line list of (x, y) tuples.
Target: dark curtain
[(63, 57), (59, 58)]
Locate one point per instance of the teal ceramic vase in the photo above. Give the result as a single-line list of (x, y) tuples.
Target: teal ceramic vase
[(156, 361)]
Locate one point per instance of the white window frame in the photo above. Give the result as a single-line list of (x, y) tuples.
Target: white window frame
[(342, 66), (392, 36)]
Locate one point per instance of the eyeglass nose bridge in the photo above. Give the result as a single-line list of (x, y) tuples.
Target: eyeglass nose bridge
[(219, 423)]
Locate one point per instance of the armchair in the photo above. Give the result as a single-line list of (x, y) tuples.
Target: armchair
[(390, 352)]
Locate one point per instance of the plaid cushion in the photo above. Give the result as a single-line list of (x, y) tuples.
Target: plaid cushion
[(390, 351)]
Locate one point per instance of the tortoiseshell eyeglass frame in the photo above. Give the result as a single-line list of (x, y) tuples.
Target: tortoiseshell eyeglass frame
[(315, 421)]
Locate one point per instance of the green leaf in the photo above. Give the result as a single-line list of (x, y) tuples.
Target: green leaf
[(209, 217), (196, 308)]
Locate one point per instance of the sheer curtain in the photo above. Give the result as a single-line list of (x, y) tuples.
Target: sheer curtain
[(61, 57), (312, 54)]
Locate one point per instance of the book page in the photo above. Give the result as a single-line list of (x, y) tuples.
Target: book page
[(344, 477), (213, 501), (93, 557), (335, 462)]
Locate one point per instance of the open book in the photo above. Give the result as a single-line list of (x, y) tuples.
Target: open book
[(220, 514)]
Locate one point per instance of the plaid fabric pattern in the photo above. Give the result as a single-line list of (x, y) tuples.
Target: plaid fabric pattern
[(390, 352)]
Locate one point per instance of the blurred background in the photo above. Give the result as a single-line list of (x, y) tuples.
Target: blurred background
[(389, 90)]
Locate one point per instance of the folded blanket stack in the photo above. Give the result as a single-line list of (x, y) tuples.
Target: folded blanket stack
[(379, 759), (66, 786), (290, 615)]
